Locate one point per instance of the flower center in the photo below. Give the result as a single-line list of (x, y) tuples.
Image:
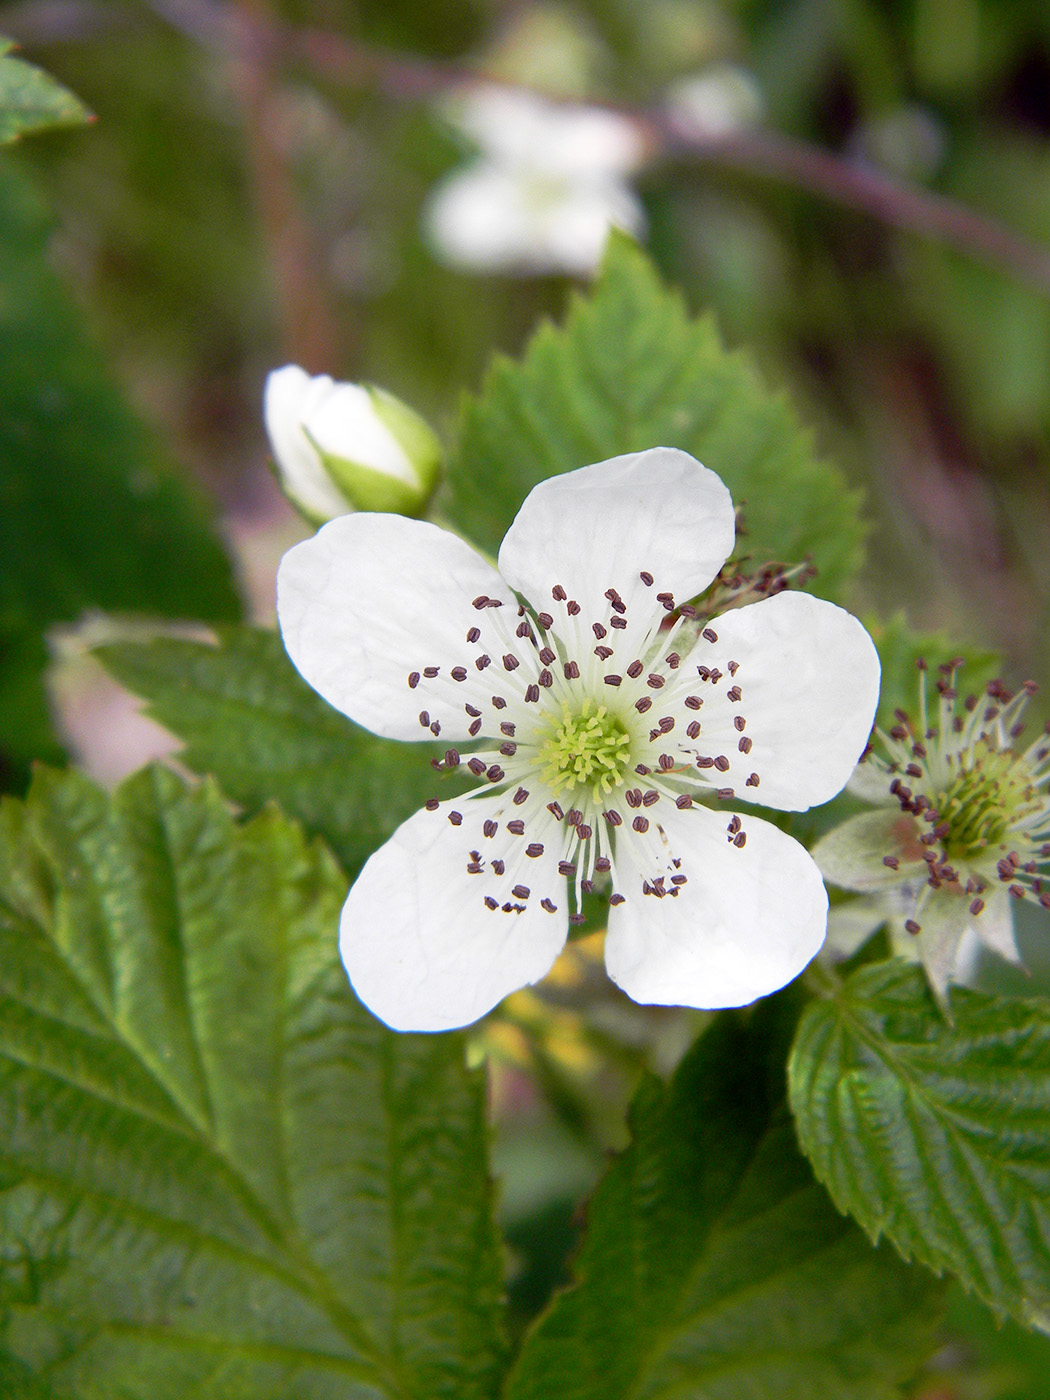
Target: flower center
[(981, 804), (586, 747)]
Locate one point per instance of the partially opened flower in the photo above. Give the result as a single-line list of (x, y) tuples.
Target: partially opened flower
[(962, 829), (547, 186), (614, 738), (341, 447)]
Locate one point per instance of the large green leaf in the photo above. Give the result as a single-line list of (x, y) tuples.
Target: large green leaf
[(715, 1265), (936, 1134), (247, 717), (219, 1176), (31, 100), (630, 370)]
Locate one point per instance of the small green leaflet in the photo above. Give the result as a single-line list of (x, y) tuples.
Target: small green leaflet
[(714, 1265), (219, 1176), (247, 717), (30, 100), (630, 370), (936, 1135)]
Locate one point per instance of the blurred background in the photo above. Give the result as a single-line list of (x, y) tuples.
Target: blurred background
[(859, 192)]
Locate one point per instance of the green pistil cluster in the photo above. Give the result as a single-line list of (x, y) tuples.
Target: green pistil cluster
[(586, 748), (982, 803)]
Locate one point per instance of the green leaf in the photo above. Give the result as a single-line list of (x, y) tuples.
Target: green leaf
[(714, 1264), (219, 1175), (246, 716), (630, 370), (31, 100), (936, 1134)]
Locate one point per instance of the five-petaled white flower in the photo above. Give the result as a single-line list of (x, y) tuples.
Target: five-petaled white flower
[(544, 191), (613, 730), (961, 831)]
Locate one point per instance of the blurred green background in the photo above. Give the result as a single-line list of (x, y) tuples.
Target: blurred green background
[(243, 201)]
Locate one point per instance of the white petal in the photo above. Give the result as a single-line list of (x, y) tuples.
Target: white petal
[(747, 920), (290, 396), (851, 855), (809, 681), (526, 132), (994, 925), (373, 598), (476, 218), (344, 424), (422, 949), (599, 528)]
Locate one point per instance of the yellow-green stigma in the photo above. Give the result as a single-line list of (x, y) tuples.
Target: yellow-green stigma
[(982, 803), (588, 747)]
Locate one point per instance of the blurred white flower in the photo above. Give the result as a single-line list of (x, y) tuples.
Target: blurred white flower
[(544, 191), (614, 736), (717, 102), (342, 447)]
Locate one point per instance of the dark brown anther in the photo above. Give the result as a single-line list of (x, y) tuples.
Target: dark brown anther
[(618, 622), (687, 610), (456, 818), (473, 867), (575, 816), (666, 762), (511, 662), (740, 839), (550, 907), (555, 810), (646, 578), (683, 802), (572, 608), (709, 634), (473, 634), (491, 903), (451, 758), (495, 773), (732, 667), (507, 728), (534, 849), (498, 867), (649, 797), (598, 630), (523, 629), (641, 824), (413, 680), (576, 920), (545, 620), (603, 865), (673, 660), (547, 655), (545, 679), (1017, 891), (633, 797), (474, 728), (532, 695), (735, 694), (482, 661), (666, 724), (734, 826), (739, 723), (679, 880), (521, 891), (431, 804), (476, 766), (634, 670), (603, 653), (424, 718), (643, 704), (642, 770), (509, 749), (613, 817), (566, 868), (481, 602), (665, 597), (584, 832), (558, 593), (613, 680), (459, 673), (976, 906), (587, 886), (704, 672), (490, 827), (693, 729), (572, 671), (744, 745), (1005, 869), (722, 763), (752, 781), (522, 795), (435, 727), (892, 861), (431, 671), (654, 681), (912, 927), (615, 899), (703, 761), (724, 794), (474, 713), (516, 827)]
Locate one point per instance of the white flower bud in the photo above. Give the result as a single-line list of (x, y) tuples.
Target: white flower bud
[(344, 447)]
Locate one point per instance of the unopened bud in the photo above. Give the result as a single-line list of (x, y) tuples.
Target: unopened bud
[(344, 447)]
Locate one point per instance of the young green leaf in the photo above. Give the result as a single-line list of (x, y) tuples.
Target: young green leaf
[(31, 100), (629, 370), (247, 717), (714, 1264), (218, 1175), (936, 1134)]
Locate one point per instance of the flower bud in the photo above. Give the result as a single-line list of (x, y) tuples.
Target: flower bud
[(345, 447)]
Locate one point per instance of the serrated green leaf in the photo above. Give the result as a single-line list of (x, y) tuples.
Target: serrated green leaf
[(935, 1134), (31, 100), (714, 1264), (219, 1176), (247, 717), (629, 370)]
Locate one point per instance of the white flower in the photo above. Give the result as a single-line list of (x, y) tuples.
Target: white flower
[(343, 447), (612, 734), (545, 190), (718, 102), (962, 831)]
